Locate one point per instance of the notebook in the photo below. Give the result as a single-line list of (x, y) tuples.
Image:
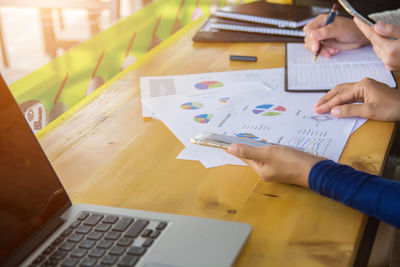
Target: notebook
[(304, 75), (258, 21), (278, 15), (222, 30), (40, 227)]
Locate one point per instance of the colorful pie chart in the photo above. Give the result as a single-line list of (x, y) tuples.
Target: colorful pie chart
[(224, 99), (251, 136), (269, 110), (208, 85), (191, 105), (247, 135), (203, 118)]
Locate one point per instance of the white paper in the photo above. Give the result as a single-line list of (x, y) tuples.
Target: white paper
[(358, 124), (188, 115), (210, 157), (204, 83), (195, 103), (286, 119), (347, 66)]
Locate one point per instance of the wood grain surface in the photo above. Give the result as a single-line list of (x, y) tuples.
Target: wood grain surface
[(105, 153)]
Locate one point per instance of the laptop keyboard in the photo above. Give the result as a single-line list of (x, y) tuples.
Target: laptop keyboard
[(95, 239)]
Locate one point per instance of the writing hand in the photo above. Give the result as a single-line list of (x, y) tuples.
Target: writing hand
[(277, 163), (368, 98), (341, 34), (381, 37)]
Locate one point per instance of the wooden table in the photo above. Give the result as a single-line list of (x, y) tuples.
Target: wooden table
[(106, 153)]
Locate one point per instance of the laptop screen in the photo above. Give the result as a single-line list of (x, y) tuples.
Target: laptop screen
[(30, 192)]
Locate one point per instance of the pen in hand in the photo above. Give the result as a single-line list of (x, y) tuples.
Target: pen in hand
[(331, 17)]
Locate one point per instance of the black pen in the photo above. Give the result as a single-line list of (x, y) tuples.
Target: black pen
[(243, 58), (331, 18)]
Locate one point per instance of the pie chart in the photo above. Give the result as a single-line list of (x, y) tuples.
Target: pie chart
[(251, 136), (224, 99), (203, 118), (208, 85), (247, 135), (191, 105), (269, 110)]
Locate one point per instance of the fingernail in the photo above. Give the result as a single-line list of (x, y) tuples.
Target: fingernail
[(331, 50), (314, 47), (379, 27), (316, 107), (335, 111), (232, 149)]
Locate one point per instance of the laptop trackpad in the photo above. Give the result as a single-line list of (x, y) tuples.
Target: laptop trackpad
[(192, 241)]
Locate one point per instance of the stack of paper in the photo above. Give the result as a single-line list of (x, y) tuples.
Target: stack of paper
[(249, 104), (258, 21)]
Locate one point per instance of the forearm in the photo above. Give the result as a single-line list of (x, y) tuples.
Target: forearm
[(367, 193)]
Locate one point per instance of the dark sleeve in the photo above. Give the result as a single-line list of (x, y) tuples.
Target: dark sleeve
[(370, 194)]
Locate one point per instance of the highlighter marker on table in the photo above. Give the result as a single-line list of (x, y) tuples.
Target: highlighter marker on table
[(243, 58)]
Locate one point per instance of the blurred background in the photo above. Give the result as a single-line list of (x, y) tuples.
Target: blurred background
[(33, 32), (55, 53)]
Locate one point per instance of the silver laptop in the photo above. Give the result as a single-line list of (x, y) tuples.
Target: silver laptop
[(40, 227)]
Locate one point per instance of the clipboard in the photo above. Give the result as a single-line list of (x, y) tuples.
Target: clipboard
[(287, 80), (390, 80)]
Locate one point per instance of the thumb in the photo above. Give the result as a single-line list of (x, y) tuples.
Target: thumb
[(387, 30), (245, 152), (350, 110)]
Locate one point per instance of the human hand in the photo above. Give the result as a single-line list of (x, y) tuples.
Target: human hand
[(381, 37), (276, 163), (378, 101), (341, 34)]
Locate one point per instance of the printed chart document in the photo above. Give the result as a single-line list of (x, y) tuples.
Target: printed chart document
[(250, 104), (282, 119), (302, 74), (193, 85), (186, 116)]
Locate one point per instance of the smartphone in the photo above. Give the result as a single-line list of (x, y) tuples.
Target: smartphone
[(223, 141), (349, 9)]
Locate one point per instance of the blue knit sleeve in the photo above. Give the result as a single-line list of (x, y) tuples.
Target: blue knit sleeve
[(370, 194)]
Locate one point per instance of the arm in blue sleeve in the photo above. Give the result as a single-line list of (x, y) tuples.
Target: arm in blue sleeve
[(370, 194)]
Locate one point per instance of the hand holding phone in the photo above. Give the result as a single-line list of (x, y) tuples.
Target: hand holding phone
[(223, 141), (349, 9)]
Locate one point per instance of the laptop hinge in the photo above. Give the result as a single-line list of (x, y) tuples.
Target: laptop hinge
[(41, 235)]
